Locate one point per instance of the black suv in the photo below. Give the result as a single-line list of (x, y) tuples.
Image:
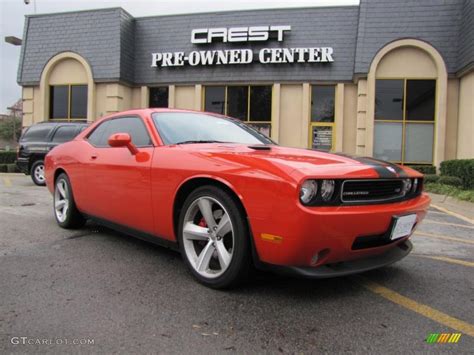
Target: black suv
[(38, 140)]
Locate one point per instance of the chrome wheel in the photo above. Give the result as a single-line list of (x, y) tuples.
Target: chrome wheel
[(39, 173), (208, 237), (61, 200)]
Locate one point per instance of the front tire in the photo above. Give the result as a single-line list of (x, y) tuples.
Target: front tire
[(37, 173), (65, 210), (213, 238)]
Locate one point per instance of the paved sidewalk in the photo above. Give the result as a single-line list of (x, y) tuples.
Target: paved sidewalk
[(463, 208)]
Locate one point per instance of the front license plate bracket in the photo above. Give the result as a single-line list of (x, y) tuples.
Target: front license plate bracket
[(402, 226)]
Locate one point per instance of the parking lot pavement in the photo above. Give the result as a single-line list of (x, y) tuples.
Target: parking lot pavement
[(113, 293)]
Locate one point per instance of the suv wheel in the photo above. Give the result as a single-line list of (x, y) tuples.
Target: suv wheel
[(37, 173)]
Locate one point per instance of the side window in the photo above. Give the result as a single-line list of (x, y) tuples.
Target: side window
[(97, 137), (37, 133), (131, 125), (65, 134)]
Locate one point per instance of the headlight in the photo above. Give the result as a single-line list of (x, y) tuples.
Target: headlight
[(308, 191), (327, 189), (406, 186)]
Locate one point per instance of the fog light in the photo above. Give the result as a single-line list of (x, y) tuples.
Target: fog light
[(319, 256), (327, 189), (308, 191)]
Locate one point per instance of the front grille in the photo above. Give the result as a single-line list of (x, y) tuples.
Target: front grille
[(371, 190)]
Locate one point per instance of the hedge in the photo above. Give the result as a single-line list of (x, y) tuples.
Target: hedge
[(424, 169), (7, 157), (431, 178), (450, 180), (460, 168), (3, 168), (12, 168)]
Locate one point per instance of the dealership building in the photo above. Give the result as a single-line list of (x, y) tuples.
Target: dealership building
[(389, 79)]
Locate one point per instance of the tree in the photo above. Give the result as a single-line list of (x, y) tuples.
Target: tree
[(10, 128)]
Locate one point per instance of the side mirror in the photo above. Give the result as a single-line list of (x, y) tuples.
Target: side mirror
[(117, 140)]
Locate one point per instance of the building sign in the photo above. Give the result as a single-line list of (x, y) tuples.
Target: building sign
[(238, 34), (241, 56), (322, 137)]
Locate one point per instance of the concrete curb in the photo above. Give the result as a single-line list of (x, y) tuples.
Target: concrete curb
[(463, 208), (12, 174)]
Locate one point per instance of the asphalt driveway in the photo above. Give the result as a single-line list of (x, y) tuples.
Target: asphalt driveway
[(95, 290)]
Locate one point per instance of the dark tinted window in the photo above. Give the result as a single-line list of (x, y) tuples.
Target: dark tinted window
[(389, 100), (322, 103), (159, 97), (97, 137), (237, 101), (79, 101), (65, 134), (420, 98), (215, 99), (260, 103), (37, 133), (131, 125), (59, 98)]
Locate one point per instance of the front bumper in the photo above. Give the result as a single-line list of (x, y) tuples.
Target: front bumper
[(22, 164), (393, 255), (310, 237)]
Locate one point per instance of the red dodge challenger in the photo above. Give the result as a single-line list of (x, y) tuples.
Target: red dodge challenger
[(227, 196)]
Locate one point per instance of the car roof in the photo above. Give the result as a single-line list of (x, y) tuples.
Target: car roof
[(49, 123), (149, 111)]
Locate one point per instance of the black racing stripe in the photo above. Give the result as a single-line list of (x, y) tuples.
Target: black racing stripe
[(385, 169)]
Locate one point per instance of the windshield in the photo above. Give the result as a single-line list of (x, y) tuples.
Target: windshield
[(189, 127)]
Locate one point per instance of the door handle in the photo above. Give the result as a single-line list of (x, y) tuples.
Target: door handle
[(93, 157)]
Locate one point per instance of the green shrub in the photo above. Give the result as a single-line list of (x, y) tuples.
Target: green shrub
[(7, 157), (12, 168), (3, 168), (460, 168), (465, 195), (431, 178), (424, 169), (450, 180)]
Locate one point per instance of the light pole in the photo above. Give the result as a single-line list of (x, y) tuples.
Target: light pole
[(27, 2)]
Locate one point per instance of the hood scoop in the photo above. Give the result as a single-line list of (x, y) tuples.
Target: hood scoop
[(260, 147)]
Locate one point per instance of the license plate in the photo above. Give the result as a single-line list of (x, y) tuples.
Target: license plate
[(403, 226)]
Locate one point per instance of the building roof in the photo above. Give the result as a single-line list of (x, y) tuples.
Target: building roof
[(118, 46)]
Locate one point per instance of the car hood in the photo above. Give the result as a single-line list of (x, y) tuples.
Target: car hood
[(299, 163)]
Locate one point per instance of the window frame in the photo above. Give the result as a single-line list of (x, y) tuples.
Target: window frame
[(404, 121), (152, 144), (69, 100), (322, 124), (247, 120)]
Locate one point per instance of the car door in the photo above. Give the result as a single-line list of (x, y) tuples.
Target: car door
[(119, 183)]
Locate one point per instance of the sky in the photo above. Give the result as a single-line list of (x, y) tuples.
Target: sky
[(13, 16)]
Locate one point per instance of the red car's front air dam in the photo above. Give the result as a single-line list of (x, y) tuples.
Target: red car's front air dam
[(329, 232)]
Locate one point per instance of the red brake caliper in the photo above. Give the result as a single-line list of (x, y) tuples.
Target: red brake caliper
[(202, 223)]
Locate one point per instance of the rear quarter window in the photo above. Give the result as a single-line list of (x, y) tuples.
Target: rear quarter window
[(65, 134), (37, 133)]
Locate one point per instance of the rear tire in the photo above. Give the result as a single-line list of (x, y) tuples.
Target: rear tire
[(213, 238), (37, 173), (65, 211)]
